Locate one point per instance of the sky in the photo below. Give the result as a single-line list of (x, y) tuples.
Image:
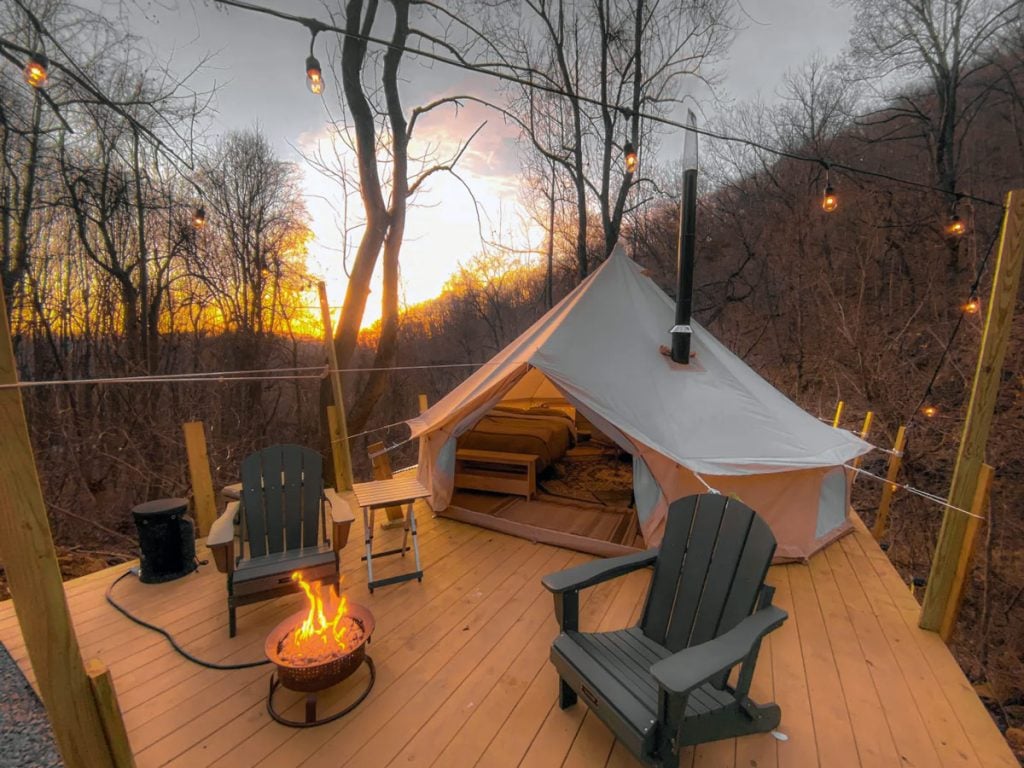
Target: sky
[(257, 62)]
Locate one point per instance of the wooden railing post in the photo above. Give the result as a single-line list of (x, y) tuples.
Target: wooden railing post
[(889, 488), (110, 714), (987, 377), (864, 432), (33, 574), (839, 413), (203, 500), (339, 431), (423, 403), (963, 563), (337, 438)]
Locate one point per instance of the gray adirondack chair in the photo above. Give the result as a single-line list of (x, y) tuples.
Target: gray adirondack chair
[(280, 524), (663, 684)]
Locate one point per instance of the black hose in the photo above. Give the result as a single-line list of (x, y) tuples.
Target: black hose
[(208, 664)]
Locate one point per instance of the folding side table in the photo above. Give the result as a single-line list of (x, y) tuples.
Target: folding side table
[(378, 494)]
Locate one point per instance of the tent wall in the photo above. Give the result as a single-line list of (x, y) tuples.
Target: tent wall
[(803, 510), (790, 502)]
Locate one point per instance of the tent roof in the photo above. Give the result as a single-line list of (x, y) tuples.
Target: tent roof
[(600, 346)]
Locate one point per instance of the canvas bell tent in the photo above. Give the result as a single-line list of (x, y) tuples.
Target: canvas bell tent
[(713, 423)]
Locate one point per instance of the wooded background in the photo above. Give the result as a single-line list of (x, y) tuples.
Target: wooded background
[(106, 276)]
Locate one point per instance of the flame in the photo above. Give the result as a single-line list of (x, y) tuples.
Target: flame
[(320, 631)]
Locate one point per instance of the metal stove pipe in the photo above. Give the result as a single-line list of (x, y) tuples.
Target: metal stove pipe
[(681, 331)]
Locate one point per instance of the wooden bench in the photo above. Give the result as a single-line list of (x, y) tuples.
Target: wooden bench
[(496, 471)]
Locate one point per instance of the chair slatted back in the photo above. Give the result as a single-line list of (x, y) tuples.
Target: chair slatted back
[(282, 491), (713, 560)]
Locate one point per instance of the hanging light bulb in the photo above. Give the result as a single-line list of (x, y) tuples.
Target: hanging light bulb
[(314, 76), (930, 411), (629, 156), (37, 70), (972, 306), (199, 218), (829, 202), (956, 226)]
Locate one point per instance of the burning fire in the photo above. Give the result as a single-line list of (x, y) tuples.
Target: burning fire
[(323, 631)]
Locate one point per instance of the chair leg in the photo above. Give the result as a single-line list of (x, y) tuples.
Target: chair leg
[(566, 695), (232, 624)]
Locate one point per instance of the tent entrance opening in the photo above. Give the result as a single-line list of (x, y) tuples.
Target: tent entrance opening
[(582, 500)]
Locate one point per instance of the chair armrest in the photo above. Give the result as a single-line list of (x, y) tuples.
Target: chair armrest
[(221, 539), (597, 571), (681, 672), (340, 507)]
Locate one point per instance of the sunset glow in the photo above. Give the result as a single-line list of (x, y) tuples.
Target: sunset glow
[(444, 225)]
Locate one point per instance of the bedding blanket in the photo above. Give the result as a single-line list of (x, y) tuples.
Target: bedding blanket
[(546, 435)]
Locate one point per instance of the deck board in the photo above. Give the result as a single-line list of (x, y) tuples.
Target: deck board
[(463, 677)]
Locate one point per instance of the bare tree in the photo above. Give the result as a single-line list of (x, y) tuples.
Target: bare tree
[(378, 130), (601, 65), (922, 55)]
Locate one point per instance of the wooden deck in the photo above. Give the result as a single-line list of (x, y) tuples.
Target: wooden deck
[(463, 676)]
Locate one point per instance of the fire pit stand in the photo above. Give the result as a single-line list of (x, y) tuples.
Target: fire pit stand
[(313, 678)]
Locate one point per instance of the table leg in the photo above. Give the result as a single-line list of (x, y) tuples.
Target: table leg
[(368, 538), (415, 540), (405, 528)]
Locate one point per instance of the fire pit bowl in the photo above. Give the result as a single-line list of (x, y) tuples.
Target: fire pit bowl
[(324, 674), (311, 678)]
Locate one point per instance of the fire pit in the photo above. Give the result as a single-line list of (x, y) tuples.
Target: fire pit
[(318, 648)]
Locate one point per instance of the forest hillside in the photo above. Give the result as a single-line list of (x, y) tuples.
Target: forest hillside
[(114, 266)]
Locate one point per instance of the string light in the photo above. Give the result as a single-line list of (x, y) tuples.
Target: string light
[(314, 75), (199, 218), (956, 226), (829, 202), (973, 306), (630, 157), (314, 25), (37, 70), (979, 273)]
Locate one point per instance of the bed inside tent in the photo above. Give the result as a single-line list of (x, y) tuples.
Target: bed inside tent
[(581, 495)]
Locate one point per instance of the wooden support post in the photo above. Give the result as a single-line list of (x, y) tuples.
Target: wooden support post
[(994, 340), (895, 460), (110, 714), (382, 471), (423, 403), (963, 564), (339, 433), (334, 431), (839, 413), (203, 500), (864, 432), (30, 563)]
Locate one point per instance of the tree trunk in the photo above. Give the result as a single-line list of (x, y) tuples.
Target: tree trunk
[(16, 267), (387, 344), (353, 56)]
